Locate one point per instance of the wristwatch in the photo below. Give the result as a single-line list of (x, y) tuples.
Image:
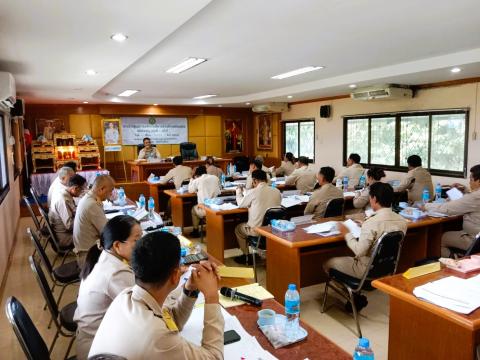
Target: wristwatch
[(190, 293)]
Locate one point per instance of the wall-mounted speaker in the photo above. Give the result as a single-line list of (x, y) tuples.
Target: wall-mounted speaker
[(325, 111), (18, 109)]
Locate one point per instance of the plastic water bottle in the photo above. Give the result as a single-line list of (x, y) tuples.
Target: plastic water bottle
[(228, 169), (234, 169), (292, 311), (345, 183), (141, 201), (362, 181), (151, 208), (121, 196), (222, 180), (438, 191), (425, 195), (338, 184), (363, 350), (274, 184)]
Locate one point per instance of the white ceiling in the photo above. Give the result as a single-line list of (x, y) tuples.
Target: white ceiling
[(49, 46)]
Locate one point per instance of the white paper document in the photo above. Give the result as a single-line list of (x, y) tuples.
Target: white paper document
[(349, 194), (225, 206), (288, 193), (290, 201), (297, 220), (353, 227), (454, 194), (112, 215), (328, 227)]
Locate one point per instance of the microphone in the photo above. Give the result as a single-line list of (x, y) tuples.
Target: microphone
[(233, 294)]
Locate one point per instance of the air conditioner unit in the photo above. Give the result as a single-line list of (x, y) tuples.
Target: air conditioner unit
[(382, 92), (270, 107), (7, 89)]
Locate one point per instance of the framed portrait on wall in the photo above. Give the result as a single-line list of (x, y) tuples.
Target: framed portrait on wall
[(111, 134), (263, 126), (233, 136), (49, 127)]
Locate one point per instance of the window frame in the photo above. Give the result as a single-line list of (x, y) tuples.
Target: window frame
[(4, 117), (297, 121), (398, 116)]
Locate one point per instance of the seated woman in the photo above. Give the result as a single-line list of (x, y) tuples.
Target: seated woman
[(105, 274), (287, 166), (362, 198), (212, 168)]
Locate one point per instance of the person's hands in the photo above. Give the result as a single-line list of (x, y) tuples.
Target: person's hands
[(205, 279), (342, 228)]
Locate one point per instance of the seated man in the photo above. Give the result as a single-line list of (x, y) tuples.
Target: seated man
[(207, 187), (141, 324), (361, 201), (417, 180), (149, 151), (60, 182), (353, 170), (469, 207), (212, 168), (255, 165), (178, 174), (384, 220), (258, 200), (61, 213), (320, 198), (302, 177), (264, 168), (90, 217)]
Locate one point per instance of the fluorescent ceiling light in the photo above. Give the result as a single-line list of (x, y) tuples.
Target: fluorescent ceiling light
[(297, 72), (119, 37), (204, 96), (85, 102), (220, 105), (456, 70), (185, 65), (155, 104), (289, 96), (91, 72), (352, 86), (128, 93), (247, 103)]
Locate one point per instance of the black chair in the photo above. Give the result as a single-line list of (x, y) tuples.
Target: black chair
[(36, 198), (41, 230), (188, 151), (63, 318), (63, 275), (473, 249), (334, 208), (140, 147), (27, 334), (383, 262), (258, 243), (241, 163)]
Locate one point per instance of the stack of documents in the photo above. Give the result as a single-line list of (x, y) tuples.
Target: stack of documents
[(454, 194), (224, 206), (453, 293), (328, 228)]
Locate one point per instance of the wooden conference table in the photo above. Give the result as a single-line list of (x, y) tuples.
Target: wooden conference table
[(420, 330), (141, 170), (297, 257)]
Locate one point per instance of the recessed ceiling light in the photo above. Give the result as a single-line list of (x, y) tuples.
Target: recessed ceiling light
[(220, 105), (247, 103), (128, 93), (185, 65), (352, 86), (155, 104), (91, 72), (119, 37), (455, 70), (116, 100), (85, 102), (204, 96), (289, 96), (297, 72)]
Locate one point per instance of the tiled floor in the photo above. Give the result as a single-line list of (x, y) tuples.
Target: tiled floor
[(335, 324)]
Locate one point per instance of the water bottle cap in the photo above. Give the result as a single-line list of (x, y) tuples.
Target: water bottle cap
[(292, 287), (151, 197), (141, 195), (364, 342)]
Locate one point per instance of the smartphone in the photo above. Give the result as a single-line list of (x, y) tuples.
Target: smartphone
[(230, 336)]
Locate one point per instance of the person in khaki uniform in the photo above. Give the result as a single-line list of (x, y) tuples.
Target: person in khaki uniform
[(90, 217), (61, 213), (257, 200), (417, 180), (207, 187), (320, 198), (255, 165), (178, 174), (353, 170), (149, 151), (212, 168), (362, 198), (141, 324), (302, 177), (287, 166), (384, 220), (60, 182), (469, 207)]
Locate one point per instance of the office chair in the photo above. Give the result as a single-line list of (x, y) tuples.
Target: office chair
[(241, 163), (334, 208), (258, 243), (383, 262), (188, 151), (140, 147)]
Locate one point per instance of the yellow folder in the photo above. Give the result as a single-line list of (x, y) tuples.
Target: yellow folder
[(421, 270)]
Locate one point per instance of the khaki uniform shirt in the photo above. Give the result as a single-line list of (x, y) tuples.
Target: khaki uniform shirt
[(303, 178), (178, 174), (249, 183), (285, 169), (206, 187), (415, 189), (214, 170), (89, 222), (135, 327), (258, 200), (384, 220), (320, 198), (353, 173), (468, 206), (55, 186), (152, 153), (61, 215), (109, 277)]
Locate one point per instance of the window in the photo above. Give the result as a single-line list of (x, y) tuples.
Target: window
[(3, 160), (438, 137), (299, 138)]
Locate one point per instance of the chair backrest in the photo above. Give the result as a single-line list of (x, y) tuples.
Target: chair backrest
[(140, 147), (399, 196), (475, 247), (41, 252), (36, 198), (188, 150), (334, 208), (27, 334), (32, 213), (274, 213), (53, 236), (241, 163), (45, 288), (385, 255)]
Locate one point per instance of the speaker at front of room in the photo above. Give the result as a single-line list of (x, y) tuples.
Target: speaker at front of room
[(325, 111)]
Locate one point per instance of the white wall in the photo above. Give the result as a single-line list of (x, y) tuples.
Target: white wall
[(329, 132)]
